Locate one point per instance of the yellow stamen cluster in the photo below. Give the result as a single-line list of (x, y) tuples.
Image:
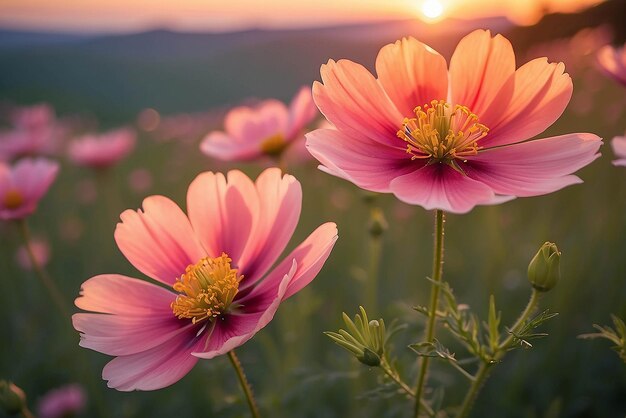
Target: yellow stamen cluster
[(207, 289), (442, 134), (13, 199), (274, 145)]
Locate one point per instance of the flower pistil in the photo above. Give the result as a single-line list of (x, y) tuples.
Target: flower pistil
[(442, 134), (13, 199), (207, 289)]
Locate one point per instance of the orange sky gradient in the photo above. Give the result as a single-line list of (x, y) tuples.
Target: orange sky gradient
[(212, 15)]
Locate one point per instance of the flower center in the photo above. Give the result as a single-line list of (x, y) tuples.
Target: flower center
[(207, 289), (441, 133), (13, 199), (274, 145)]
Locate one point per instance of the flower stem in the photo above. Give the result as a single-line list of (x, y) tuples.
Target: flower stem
[(530, 308), (41, 274), (483, 371), (434, 301), (394, 376), (245, 385)]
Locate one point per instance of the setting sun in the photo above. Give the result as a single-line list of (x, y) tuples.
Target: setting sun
[(432, 9)]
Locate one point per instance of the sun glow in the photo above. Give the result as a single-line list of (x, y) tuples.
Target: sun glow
[(432, 9)]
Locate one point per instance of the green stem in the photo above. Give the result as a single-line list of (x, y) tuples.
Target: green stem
[(530, 307), (404, 386), (472, 393), (483, 371), (247, 389), (397, 379), (41, 274), (434, 301)]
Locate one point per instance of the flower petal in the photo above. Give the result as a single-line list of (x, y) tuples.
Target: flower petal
[(33, 177), (254, 124), (362, 161), (302, 110), (122, 295), (220, 145), (118, 335), (479, 68), (280, 202), (438, 186), (540, 94), (159, 240), (412, 74), (355, 102), (612, 61), (619, 149), (309, 257), (534, 167), (132, 315), (222, 211), (156, 368)]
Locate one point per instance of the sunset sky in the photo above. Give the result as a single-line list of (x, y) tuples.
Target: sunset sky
[(213, 15)]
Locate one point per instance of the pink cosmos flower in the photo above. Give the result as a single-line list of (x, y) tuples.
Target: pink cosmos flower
[(35, 131), (33, 117), (613, 62), (65, 401), (619, 148), (266, 129), (214, 263), (448, 138), (23, 185), (102, 151)]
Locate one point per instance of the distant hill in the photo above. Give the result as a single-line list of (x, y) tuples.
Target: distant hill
[(22, 39), (116, 76)]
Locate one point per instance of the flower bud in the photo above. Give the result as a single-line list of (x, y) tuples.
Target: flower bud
[(12, 398), (369, 358), (544, 269), (365, 339)]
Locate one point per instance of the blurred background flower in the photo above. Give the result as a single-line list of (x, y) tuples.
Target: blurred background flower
[(63, 402), (23, 185), (101, 150), (613, 62), (267, 129)]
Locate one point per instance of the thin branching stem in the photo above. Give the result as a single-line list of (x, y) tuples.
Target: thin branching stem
[(398, 380), (483, 370)]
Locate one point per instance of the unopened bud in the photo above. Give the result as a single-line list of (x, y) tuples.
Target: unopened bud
[(377, 224), (365, 339), (544, 269), (12, 398), (369, 358)]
